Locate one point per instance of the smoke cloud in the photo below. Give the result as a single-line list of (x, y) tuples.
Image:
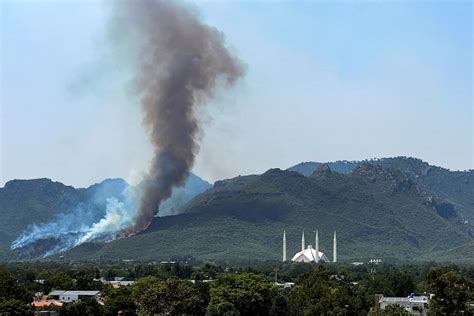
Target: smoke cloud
[(178, 65), (181, 62), (104, 210)]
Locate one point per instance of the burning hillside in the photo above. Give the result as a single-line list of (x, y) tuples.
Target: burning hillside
[(179, 62)]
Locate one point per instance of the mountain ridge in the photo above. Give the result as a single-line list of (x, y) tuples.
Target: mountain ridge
[(376, 209), (377, 212), (456, 187)]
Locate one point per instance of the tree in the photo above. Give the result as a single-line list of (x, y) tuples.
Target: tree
[(119, 300), (174, 297), (390, 310), (320, 293), (60, 281), (401, 283), (451, 291), (143, 284), (85, 280), (13, 307), (86, 306), (14, 298), (246, 293), (10, 289), (392, 282), (210, 270), (395, 310)]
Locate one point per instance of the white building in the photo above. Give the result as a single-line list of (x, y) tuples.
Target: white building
[(72, 296), (414, 305), (309, 254)]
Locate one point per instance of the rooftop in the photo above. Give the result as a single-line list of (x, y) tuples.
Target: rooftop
[(92, 293), (46, 303), (412, 299), (63, 292), (394, 299), (308, 255)]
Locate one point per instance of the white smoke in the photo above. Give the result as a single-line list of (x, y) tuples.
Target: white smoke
[(117, 217), (100, 216), (79, 225)]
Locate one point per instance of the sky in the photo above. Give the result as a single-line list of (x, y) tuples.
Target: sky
[(325, 81)]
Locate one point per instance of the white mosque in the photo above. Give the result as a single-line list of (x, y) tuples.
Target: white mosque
[(310, 254)]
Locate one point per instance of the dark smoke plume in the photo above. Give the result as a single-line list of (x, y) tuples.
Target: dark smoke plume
[(181, 63)]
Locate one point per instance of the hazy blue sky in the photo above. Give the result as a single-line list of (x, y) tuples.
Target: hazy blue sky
[(325, 81)]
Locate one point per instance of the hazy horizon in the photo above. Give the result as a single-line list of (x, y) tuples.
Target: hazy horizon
[(212, 181), (325, 82)]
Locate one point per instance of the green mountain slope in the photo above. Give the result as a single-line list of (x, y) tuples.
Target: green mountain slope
[(342, 166), (459, 254), (456, 187), (377, 212)]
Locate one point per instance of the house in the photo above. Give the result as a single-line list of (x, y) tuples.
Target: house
[(54, 295), (48, 303), (72, 296), (285, 285), (413, 304), (117, 284)]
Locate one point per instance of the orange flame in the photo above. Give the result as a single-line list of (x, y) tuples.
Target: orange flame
[(131, 231)]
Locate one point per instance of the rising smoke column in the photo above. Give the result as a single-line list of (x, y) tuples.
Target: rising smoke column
[(181, 63)]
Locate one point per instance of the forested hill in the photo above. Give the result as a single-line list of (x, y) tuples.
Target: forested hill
[(456, 187), (38, 201), (376, 210)]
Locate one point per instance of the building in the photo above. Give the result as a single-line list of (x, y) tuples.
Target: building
[(309, 254), (49, 303), (72, 296), (285, 285), (118, 284), (413, 304)]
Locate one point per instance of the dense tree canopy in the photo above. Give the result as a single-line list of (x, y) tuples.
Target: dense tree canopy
[(320, 292), (452, 291), (14, 298), (246, 293), (328, 289), (172, 297)]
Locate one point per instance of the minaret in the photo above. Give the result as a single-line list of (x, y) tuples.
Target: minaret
[(316, 245), (284, 246), (302, 242), (334, 254)]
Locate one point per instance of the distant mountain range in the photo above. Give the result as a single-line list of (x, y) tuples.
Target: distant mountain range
[(455, 187), (394, 208)]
